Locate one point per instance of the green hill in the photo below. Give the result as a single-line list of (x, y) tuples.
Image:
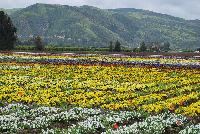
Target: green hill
[(161, 27), (91, 26), (10, 11)]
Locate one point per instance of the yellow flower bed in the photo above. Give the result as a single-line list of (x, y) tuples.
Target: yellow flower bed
[(120, 87)]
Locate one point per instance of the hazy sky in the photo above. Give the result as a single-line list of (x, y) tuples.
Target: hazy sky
[(189, 9)]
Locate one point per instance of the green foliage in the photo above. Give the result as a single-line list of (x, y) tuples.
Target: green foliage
[(38, 43), (117, 46), (143, 47), (51, 48), (89, 26), (7, 32), (10, 11), (24, 48), (111, 46), (166, 47)]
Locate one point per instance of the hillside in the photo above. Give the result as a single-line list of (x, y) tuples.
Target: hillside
[(91, 26), (161, 27), (10, 11)]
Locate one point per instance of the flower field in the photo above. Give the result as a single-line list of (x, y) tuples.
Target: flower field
[(105, 94)]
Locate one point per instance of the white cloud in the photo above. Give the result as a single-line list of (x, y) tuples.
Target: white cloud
[(183, 8)]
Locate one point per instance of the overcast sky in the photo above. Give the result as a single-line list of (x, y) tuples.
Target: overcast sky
[(188, 9)]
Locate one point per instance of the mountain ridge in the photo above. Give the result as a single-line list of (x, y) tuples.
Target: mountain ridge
[(92, 26)]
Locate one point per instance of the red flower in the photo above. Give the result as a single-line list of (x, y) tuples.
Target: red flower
[(116, 126)]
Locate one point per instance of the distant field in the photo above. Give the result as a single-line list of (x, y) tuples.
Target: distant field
[(93, 93)]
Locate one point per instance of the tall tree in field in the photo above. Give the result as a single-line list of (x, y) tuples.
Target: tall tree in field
[(38, 43), (166, 47), (111, 46), (7, 32), (117, 46), (143, 47)]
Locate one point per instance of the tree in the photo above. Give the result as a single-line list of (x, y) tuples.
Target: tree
[(8, 31), (38, 43), (155, 47), (143, 47), (111, 46), (117, 46), (166, 47)]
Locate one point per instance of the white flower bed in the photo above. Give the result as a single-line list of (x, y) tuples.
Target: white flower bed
[(193, 129), (18, 117), (151, 125)]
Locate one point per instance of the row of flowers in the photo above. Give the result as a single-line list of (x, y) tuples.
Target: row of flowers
[(103, 60), (98, 99), (114, 88), (22, 118)]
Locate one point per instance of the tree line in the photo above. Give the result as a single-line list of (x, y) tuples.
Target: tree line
[(143, 47)]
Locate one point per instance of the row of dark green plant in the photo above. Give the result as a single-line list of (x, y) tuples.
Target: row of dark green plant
[(51, 48), (54, 48)]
